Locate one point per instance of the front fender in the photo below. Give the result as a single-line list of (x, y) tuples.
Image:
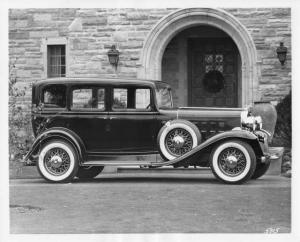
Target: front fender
[(60, 133), (239, 134)]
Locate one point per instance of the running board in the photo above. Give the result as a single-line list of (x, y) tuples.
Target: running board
[(116, 163)]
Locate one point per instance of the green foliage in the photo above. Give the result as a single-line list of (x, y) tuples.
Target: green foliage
[(20, 132), (283, 129)]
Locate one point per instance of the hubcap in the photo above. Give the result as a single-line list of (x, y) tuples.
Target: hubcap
[(232, 161), (178, 141), (57, 161)]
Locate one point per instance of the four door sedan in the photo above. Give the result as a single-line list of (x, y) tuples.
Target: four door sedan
[(79, 121)]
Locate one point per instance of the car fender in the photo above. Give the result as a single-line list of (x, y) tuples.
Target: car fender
[(240, 134), (233, 134), (60, 133)]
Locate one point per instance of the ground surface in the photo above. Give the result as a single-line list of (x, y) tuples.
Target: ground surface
[(150, 203)]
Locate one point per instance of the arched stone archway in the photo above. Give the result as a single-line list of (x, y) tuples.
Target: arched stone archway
[(172, 24)]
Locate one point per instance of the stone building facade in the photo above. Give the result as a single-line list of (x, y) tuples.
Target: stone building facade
[(178, 46)]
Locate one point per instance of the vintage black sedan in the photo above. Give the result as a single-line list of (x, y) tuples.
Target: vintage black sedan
[(79, 121)]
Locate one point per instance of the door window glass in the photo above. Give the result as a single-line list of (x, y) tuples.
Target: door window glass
[(131, 99), (142, 98), (83, 98), (120, 98)]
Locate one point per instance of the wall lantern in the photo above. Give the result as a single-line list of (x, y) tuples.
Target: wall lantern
[(281, 53), (113, 56)]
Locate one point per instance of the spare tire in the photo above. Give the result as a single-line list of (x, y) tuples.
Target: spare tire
[(176, 138)]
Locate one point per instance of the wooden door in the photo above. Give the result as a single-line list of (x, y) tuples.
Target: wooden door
[(212, 54)]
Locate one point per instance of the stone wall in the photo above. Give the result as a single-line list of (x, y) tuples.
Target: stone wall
[(269, 26), (91, 32)]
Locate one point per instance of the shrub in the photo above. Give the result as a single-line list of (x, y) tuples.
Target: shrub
[(20, 132), (283, 129)]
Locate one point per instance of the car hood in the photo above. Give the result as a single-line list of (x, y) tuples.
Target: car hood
[(202, 112)]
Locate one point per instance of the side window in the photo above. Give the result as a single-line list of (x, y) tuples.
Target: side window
[(84, 98), (142, 98), (120, 98), (54, 96), (131, 99)]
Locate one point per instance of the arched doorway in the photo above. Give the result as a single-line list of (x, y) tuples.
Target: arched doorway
[(174, 23), (192, 59)]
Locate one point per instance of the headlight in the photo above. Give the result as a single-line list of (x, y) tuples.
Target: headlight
[(250, 122)]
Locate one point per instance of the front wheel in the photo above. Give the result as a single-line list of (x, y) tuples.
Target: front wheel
[(260, 170), (86, 172), (233, 161), (58, 161)]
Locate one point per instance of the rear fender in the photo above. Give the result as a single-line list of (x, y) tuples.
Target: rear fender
[(58, 133)]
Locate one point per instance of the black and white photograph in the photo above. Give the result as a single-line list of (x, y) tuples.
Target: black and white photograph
[(150, 119)]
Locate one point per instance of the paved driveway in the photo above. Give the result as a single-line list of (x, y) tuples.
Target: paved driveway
[(150, 203)]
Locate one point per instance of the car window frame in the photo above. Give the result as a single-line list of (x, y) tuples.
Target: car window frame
[(41, 98), (84, 86), (129, 110)]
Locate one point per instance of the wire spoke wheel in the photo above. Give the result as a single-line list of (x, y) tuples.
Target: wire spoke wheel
[(57, 161), (178, 141), (232, 161)]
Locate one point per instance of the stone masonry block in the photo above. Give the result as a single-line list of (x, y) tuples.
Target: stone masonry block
[(42, 17), (120, 36), (94, 21), (76, 25), (137, 15), (19, 35), (43, 34)]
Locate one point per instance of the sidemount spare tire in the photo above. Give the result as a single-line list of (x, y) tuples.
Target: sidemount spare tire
[(176, 138), (233, 161)]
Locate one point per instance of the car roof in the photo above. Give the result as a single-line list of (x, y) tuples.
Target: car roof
[(95, 80)]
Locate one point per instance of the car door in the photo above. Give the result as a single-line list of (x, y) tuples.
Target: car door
[(88, 116), (131, 119)]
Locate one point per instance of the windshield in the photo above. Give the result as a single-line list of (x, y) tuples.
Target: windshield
[(164, 96)]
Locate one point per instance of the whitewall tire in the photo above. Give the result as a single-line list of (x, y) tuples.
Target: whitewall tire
[(176, 138), (58, 161), (233, 161)]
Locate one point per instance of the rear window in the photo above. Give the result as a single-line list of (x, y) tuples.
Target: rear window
[(54, 96)]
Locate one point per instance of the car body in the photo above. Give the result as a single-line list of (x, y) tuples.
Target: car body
[(91, 118)]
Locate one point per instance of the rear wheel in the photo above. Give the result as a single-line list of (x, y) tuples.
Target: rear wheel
[(85, 172), (58, 161), (233, 161)]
